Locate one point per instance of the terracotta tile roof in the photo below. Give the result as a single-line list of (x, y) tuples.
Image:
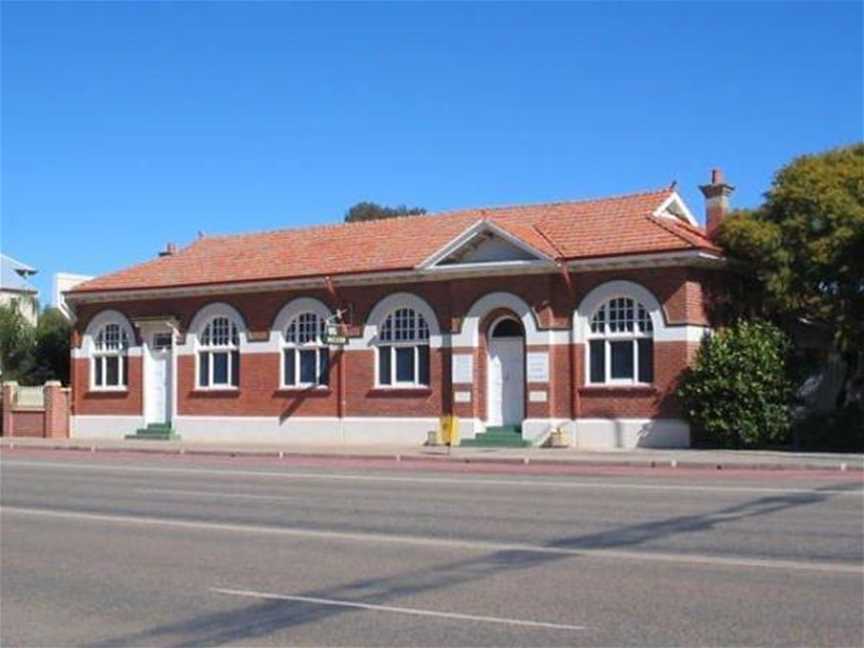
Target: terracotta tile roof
[(621, 225)]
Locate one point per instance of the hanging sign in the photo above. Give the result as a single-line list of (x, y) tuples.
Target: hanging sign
[(335, 333)]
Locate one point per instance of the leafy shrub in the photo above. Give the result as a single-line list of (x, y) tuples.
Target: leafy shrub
[(738, 391)]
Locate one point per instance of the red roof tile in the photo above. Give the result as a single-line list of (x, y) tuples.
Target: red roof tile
[(615, 226)]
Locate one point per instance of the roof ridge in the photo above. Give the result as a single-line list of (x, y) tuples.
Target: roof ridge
[(554, 203), (437, 214)]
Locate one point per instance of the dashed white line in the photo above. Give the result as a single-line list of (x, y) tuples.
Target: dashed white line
[(398, 610)]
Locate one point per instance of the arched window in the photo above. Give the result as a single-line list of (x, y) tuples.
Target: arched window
[(110, 358), (305, 357), (219, 354), (620, 344), (403, 349)]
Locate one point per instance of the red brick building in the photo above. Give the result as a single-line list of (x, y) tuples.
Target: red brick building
[(580, 314)]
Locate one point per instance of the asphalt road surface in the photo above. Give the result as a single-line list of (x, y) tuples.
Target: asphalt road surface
[(148, 550)]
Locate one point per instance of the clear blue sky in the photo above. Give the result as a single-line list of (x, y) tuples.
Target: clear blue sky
[(126, 125)]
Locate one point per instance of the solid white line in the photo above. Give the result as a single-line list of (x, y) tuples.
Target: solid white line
[(398, 610), (451, 543), (521, 483)]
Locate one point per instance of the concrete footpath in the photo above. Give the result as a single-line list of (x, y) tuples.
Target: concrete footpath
[(642, 458)]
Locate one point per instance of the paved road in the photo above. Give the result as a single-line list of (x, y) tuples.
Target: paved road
[(138, 550)]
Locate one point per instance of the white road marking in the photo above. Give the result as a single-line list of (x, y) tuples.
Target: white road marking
[(397, 610), (520, 483), (217, 494), (451, 543)]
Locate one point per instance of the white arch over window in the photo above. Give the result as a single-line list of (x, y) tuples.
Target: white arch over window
[(390, 304), (206, 313), (299, 327), (601, 295), (219, 335), (98, 322), (294, 308), (469, 335), (107, 341)]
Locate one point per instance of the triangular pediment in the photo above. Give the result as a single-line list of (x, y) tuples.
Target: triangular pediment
[(675, 208), (484, 244), (487, 247)]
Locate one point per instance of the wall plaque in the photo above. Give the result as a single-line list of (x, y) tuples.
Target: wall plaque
[(463, 368), (537, 366)]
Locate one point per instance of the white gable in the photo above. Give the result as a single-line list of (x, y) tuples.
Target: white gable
[(674, 207), (485, 244), (486, 247)]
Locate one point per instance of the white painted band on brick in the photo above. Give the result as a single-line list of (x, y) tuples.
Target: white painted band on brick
[(99, 426), (131, 352), (324, 430)]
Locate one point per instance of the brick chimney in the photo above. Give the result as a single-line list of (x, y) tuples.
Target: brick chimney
[(170, 250), (716, 200)]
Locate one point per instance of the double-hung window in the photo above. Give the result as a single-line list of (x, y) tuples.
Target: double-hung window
[(620, 344), (219, 355), (403, 350), (305, 357), (110, 358)]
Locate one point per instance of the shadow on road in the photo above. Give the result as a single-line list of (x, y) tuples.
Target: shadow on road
[(245, 624)]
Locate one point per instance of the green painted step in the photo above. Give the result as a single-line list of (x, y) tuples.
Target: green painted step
[(511, 429), (155, 432), (502, 436)]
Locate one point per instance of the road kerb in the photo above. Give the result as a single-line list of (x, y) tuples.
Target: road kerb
[(403, 457)]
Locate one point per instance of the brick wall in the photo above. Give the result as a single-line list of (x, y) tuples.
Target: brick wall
[(128, 402), (679, 290), (50, 419)]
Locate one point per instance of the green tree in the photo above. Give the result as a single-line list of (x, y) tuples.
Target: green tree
[(366, 211), (737, 392), (805, 246), (17, 337), (51, 349)]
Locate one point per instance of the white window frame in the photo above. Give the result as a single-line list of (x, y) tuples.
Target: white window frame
[(230, 348), (608, 337), (317, 345), (390, 345), (100, 356)]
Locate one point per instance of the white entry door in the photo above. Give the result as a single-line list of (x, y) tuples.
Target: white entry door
[(506, 393), (158, 380)]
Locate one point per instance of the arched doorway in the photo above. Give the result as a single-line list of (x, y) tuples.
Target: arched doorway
[(505, 401)]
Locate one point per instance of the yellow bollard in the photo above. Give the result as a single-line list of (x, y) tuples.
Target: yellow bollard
[(454, 431)]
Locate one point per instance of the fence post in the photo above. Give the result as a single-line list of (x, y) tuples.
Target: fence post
[(56, 410), (8, 402)]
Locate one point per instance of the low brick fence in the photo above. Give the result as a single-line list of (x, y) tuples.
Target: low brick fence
[(35, 411)]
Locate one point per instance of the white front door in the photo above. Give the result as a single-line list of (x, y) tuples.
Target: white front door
[(506, 393), (158, 380)]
